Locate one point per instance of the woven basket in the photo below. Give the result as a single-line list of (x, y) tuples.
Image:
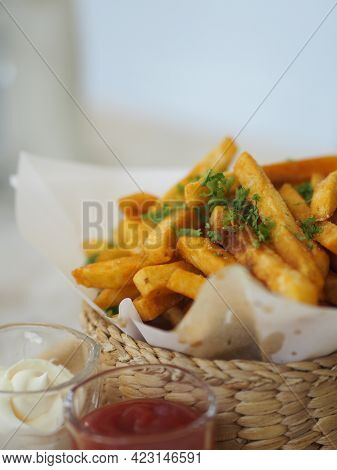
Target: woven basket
[(260, 405)]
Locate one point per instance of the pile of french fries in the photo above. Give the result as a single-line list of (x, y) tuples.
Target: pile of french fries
[(279, 221)]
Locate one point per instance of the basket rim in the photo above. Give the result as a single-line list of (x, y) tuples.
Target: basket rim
[(291, 365)]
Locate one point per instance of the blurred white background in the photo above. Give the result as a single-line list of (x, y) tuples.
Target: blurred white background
[(162, 82)]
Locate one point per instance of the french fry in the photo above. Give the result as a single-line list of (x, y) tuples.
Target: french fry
[(131, 233), (195, 194), (322, 259), (136, 204), (301, 211), (112, 274), (218, 159), (286, 233), (151, 306), (300, 170), (295, 202), (275, 273), (153, 278), (270, 203), (324, 199), (217, 218), (114, 253), (327, 237), (330, 288), (203, 254), (111, 297), (185, 283), (316, 178), (160, 245)]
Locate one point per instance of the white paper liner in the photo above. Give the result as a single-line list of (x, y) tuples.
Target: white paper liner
[(49, 195)]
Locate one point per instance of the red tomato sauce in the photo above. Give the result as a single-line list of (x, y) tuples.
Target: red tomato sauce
[(125, 422)]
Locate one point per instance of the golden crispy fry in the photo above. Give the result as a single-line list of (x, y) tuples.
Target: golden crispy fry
[(316, 178), (330, 288), (151, 306), (218, 159), (278, 276), (300, 170), (203, 254), (114, 253), (132, 233), (111, 297), (328, 236), (324, 199), (295, 202), (322, 259), (134, 205), (301, 211), (285, 233), (217, 218), (160, 245), (185, 283), (112, 274), (270, 203), (152, 278), (196, 194)]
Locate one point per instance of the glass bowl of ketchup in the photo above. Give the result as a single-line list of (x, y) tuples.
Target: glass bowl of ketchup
[(141, 407)]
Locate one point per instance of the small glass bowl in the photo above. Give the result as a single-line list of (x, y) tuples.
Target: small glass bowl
[(60, 345), (132, 385)]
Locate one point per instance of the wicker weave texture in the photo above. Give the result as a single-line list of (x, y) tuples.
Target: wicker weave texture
[(260, 405)]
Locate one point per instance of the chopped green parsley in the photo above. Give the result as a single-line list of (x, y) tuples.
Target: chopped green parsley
[(112, 311), (91, 259), (164, 211), (310, 228), (305, 190), (242, 212), (218, 186), (188, 232), (214, 236)]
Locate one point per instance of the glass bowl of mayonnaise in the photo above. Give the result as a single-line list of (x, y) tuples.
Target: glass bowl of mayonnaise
[(39, 362)]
